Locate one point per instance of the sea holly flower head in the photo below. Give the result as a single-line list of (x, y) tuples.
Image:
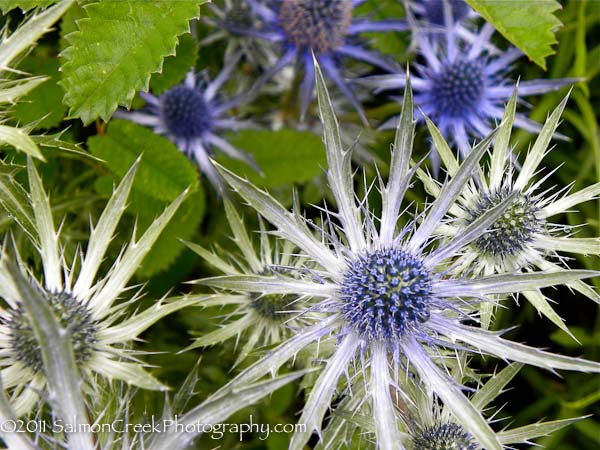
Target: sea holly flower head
[(326, 27), (389, 299), (82, 303), (264, 319), (194, 117), (462, 85), (524, 237), (228, 20)]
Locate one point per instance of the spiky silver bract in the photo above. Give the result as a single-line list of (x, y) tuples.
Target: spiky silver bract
[(83, 303), (352, 269)]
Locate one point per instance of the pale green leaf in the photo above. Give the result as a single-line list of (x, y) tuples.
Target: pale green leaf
[(43, 106), (529, 25), (285, 156), (164, 172), (116, 49), (176, 67)]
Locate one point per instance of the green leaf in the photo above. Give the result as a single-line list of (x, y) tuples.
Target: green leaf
[(115, 50), (284, 156), (530, 26), (164, 172), (25, 5), (176, 67), (42, 106)]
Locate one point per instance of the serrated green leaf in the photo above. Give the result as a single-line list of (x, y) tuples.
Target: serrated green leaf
[(530, 26), (164, 172), (176, 67), (42, 106), (115, 50), (25, 5), (284, 156)]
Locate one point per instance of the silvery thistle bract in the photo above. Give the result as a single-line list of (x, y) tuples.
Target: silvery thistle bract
[(463, 86), (193, 116), (524, 236), (263, 320), (81, 301), (391, 302), (325, 27)]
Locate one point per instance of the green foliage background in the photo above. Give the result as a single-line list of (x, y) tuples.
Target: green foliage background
[(103, 53)]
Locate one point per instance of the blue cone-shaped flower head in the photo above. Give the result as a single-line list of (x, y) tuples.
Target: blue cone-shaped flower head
[(463, 85), (390, 301), (194, 117), (325, 27)]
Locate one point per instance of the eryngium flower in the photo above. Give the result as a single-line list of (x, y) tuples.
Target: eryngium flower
[(194, 118), (463, 87), (228, 18), (427, 424), (325, 27), (265, 319), (433, 427), (388, 294), (524, 236), (99, 332)]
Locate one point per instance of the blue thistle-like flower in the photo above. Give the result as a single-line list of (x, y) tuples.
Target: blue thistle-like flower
[(463, 85), (390, 300), (325, 27), (193, 117), (82, 297), (227, 20), (263, 319), (525, 236)]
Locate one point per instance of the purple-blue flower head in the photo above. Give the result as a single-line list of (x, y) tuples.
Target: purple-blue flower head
[(463, 86), (325, 27), (193, 116)]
